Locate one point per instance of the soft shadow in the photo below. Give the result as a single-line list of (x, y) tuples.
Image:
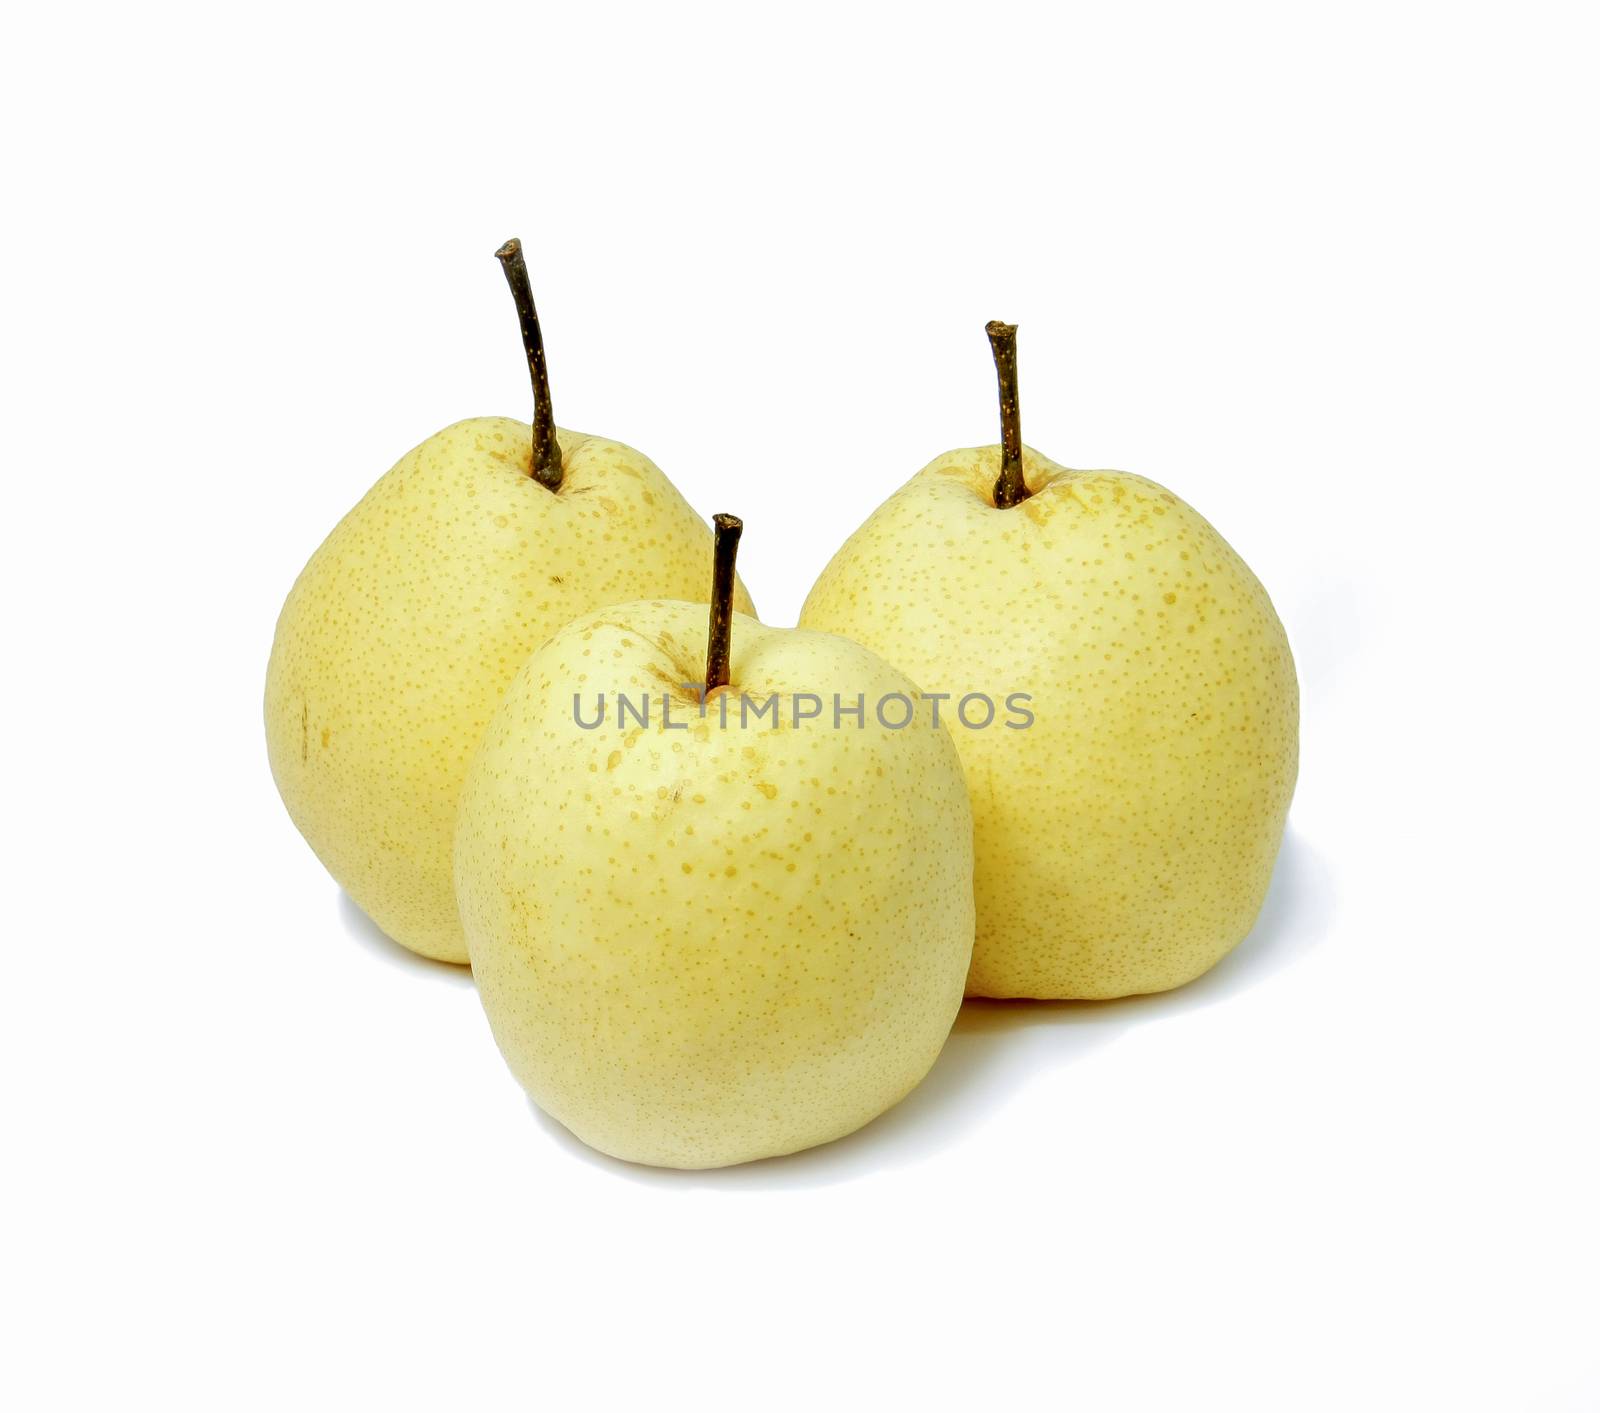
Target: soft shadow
[(997, 1046), (1294, 918), (376, 941), (968, 1080)]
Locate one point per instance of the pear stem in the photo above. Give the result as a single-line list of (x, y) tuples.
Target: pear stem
[(720, 640), (546, 468), (1010, 489)]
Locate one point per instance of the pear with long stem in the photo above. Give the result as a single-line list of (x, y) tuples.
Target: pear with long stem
[(1129, 805), (749, 931), (400, 635)]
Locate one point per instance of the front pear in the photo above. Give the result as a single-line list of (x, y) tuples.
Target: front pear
[(1125, 838), (726, 933), (399, 637)]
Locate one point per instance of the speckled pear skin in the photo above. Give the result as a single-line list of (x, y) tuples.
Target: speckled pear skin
[(700, 947), (1126, 839), (399, 637)]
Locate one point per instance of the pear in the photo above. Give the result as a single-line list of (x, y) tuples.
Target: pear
[(1125, 837), (399, 637), (737, 929)]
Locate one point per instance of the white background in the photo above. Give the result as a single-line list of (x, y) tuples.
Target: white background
[(1326, 271)]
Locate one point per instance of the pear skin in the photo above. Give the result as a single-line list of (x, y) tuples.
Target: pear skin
[(400, 636), (1124, 839), (703, 943)]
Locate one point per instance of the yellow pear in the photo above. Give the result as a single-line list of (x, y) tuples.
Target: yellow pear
[(399, 637), (737, 929), (1125, 837)]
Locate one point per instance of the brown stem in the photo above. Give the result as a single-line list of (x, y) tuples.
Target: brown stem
[(1010, 489), (546, 468), (720, 640)]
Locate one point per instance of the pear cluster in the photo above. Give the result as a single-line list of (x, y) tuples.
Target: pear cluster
[(702, 939)]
